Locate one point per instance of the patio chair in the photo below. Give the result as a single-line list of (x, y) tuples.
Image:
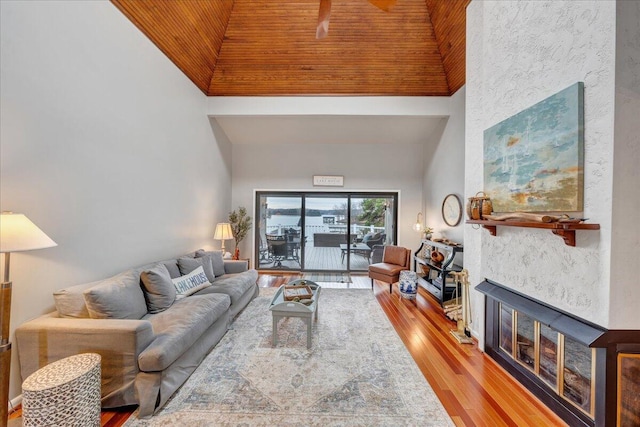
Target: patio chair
[(394, 260), (277, 249), (375, 239), (376, 254), (265, 253)]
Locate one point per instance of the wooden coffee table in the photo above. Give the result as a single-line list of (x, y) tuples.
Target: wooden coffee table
[(281, 308)]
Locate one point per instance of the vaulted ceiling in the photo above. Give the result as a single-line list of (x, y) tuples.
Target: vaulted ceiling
[(269, 47)]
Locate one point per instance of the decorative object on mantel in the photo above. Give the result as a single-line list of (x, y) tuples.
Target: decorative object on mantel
[(479, 206), (463, 333), (533, 217), (534, 160), (240, 226)]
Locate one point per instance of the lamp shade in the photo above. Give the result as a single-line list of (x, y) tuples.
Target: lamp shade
[(223, 231), (18, 233)]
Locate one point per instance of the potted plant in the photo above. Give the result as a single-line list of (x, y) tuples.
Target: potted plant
[(240, 226), (427, 232)]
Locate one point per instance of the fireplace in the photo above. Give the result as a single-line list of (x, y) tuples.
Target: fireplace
[(588, 375)]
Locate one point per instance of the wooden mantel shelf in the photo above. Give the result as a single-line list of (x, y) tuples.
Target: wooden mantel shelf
[(566, 230)]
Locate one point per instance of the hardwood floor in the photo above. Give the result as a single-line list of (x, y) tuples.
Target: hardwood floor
[(474, 390)]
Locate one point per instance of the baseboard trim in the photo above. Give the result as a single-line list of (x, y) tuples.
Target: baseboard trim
[(14, 403)]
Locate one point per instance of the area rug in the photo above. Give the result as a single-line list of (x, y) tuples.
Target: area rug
[(357, 373), (327, 277)]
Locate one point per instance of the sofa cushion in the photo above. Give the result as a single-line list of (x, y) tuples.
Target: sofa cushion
[(119, 297), (179, 327), (70, 301), (386, 269), (217, 261), (187, 265), (190, 283), (159, 291), (235, 285)]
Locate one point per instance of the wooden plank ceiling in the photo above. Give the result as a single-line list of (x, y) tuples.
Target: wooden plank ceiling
[(268, 47)]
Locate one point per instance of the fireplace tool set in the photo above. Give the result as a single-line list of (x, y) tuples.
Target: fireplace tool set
[(463, 333)]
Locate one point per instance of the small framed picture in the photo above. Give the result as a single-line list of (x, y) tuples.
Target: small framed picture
[(328, 180)]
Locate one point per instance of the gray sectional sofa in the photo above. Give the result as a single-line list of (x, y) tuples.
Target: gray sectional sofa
[(150, 337)]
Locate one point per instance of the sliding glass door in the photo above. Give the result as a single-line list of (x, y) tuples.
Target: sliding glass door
[(328, 231)]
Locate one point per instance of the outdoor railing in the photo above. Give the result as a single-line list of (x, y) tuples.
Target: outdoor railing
[(357, 230)]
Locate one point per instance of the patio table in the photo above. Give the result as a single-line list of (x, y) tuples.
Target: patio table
[(356, 248)]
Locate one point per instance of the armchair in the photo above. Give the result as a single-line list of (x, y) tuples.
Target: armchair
[(394, 260)]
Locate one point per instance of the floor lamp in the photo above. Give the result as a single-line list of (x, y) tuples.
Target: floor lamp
[(17, 234)]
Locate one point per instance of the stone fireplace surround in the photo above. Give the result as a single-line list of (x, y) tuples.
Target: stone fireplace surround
[(614, 391)]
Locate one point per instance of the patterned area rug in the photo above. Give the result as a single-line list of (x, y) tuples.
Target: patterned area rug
[(358, 373)]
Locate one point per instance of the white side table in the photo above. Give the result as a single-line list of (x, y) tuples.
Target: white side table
[(63, 393)]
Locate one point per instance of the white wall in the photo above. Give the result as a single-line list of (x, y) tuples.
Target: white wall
[(364, 167), (444, 171), (625, 248), (105, 145), (519, 53)]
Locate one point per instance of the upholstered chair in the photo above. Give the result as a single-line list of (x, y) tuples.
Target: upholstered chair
[(394, 260)]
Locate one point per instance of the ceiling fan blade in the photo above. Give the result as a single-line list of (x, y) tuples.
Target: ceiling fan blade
[(323, 19), (385, 5)]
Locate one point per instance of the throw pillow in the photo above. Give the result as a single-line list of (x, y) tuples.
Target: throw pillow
[(367, 237), (159, 290), (119, 297), (191, 283), (216, 260), (187, 265), (172, 267)]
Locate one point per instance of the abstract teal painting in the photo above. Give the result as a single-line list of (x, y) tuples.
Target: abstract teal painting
[(534, 161)]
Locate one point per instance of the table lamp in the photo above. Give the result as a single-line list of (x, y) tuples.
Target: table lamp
[(17, 234), (223, 232)]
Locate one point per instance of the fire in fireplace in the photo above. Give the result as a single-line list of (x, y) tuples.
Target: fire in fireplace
[(572, 365)]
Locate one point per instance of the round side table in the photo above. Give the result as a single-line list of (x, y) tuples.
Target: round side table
[(408, 284), (63, 393)]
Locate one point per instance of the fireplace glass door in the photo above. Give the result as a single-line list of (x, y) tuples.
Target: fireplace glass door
[(577, 383), (506, 329), (564, 364), (548, 356), (526, 341)]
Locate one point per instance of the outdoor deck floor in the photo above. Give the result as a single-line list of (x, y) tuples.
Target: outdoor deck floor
[(322, 259)]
